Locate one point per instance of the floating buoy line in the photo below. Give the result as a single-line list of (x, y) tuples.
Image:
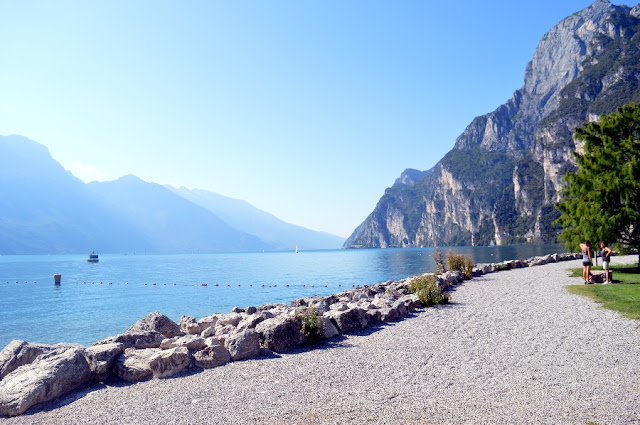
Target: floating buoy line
[(203, 284)]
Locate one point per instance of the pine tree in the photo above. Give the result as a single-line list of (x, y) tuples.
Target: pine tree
[(601, 200)]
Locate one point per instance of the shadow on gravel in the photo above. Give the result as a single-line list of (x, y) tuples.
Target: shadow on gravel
[(93, 387), (65, 399)]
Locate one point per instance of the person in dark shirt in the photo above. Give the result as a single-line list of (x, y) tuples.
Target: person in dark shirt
[(606, 257)]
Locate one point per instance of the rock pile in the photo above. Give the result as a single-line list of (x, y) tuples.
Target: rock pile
[(157, 347)]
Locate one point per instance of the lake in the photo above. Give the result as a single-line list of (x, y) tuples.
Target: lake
[(96, 300)]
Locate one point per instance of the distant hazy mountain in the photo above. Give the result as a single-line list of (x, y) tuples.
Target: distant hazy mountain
[(45, 209), (242, 215), (169, 222)]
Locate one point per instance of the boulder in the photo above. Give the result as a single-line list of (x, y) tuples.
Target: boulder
[(135, 339), (191, 342), (208, 321), (133, 365), (210, 331), (281, 334), (156, 322), (212, 356), (223, 332), (251, 310), (349, 320), (389, 314), (477, 271), (18, 353), (272, 306), (231, 319), (322, 305), (243, 345), (381, 302), (329, 330), (251, 321), (101, 358), (390, 293), (400, 307), (50, 375), (374, 316), (455, 276), (411, 302), (211, 342), (169, 362), (303, 302), (189, 326), (339, 306)]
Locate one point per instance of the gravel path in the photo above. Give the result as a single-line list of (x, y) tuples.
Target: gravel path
[(513, 347)]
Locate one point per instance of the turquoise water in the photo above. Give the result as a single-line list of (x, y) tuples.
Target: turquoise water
[(86, 308)]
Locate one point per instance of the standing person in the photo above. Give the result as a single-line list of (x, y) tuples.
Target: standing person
[(606, 257), (586, 260)]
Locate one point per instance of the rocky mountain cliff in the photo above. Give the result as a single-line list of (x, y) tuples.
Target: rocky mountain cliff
[(500, 181)]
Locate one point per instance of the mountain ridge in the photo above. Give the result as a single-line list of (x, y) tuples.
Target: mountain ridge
[(46, 210), (499, 182), (240, 214)]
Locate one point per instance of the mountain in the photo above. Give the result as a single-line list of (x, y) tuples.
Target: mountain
[(242, 215), (45, 209), (500, 181), (169, 222)]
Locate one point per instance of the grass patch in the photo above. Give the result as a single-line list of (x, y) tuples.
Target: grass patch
[(623, 296)]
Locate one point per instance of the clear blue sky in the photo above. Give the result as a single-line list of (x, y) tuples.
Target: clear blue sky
[(305, 109)]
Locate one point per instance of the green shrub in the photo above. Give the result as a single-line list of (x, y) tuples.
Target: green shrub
[(467, 269), (428, 290), (455, 262), (460, 263), (312, 327), (437, 258)]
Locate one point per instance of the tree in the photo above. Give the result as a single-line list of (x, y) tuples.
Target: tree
[(601, 200)]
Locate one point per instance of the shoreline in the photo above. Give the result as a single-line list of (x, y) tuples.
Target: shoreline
[(93, 319), (385, 333)]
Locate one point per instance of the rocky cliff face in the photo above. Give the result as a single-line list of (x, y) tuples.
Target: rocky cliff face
[(500, 181)]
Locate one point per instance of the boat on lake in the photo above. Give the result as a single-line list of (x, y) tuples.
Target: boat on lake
[(93, 257)]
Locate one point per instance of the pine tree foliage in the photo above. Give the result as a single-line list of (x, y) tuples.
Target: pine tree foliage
[(601, 200)]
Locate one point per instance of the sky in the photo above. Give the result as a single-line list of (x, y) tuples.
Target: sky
[(306, 109)]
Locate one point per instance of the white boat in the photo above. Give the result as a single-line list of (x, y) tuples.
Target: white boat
[(93, 257)]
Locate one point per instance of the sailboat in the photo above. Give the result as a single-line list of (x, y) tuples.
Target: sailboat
[(296, 249)]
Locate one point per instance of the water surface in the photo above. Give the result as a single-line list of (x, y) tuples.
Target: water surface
[(98, 300)]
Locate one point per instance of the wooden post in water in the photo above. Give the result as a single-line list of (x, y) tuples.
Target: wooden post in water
[(56, 278)]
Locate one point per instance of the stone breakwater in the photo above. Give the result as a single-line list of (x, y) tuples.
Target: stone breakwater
[(157, 347)]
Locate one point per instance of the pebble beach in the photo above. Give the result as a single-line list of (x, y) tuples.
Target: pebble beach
[(511, 347)]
